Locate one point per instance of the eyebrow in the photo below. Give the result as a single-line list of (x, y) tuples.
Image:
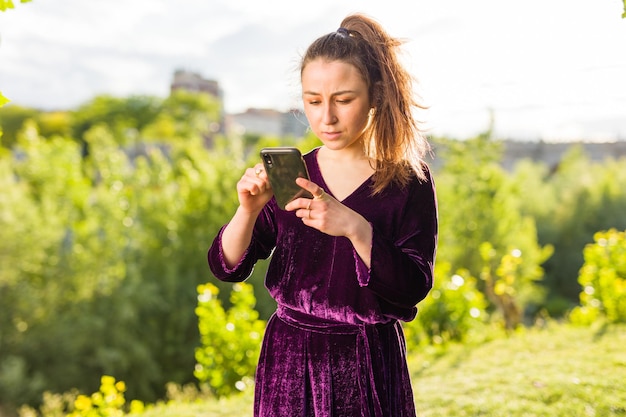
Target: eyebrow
[(337, 93)]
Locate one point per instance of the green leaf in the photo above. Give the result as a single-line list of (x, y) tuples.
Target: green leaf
[(6, 4), (3, 99)]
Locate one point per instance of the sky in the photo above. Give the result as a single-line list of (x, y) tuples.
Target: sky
[(543, 69)]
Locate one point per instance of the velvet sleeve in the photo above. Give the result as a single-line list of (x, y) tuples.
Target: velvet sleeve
[(261, 246), (403, 253)]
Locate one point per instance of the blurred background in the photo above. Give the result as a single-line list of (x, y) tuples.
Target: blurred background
[(129, 124)]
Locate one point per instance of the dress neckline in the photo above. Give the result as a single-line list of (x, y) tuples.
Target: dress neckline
[(365, 184)]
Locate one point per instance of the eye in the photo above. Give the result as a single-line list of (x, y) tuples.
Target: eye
[(344, 100), (314, 102)]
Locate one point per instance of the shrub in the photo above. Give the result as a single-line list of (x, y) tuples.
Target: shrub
[(453, 308), (603, 279), (108, 401), (231, 339), (510, 287), (480, 202)]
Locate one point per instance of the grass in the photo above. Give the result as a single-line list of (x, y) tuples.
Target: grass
[(556, 371)]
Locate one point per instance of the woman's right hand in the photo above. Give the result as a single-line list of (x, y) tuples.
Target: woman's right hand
[(253, 189)]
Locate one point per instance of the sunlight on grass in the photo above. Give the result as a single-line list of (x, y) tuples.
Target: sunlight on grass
[(557, 371), (233, 406)]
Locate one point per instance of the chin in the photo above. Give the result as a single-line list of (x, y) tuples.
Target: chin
[(335, 146)]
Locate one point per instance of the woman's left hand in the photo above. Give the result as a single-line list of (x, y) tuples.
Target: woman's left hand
[(325, 213)]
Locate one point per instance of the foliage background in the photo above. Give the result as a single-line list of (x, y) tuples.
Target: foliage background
[(106, 212)]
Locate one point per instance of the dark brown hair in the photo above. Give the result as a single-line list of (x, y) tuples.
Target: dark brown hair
[(393, 139)]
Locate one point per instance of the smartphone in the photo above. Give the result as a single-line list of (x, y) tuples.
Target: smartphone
[(283, 165)]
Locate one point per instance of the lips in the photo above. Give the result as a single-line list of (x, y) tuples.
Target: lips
[(331, 135)]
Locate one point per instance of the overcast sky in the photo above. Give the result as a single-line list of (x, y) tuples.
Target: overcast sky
[(548, 69)]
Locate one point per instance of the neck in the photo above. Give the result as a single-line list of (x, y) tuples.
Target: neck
[(353, 153)]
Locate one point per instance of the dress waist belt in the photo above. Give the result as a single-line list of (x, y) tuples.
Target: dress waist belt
[(368, 351)]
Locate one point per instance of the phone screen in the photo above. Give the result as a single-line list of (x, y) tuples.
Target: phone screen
[(283, 165)]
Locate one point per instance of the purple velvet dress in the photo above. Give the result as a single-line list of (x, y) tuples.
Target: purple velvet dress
[(335, 347)]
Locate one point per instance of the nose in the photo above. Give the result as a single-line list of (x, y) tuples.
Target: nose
[(329, 117)]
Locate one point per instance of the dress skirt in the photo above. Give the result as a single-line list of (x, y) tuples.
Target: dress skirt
[(311, 367)]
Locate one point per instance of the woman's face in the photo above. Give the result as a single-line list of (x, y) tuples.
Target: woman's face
[(336, 102)]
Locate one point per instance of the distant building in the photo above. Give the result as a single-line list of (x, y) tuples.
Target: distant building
[(254, 121), (269, 122), (194, 82), (551, 154), (191, 81)]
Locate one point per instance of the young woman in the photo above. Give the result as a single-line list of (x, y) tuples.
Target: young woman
[(351, 262)]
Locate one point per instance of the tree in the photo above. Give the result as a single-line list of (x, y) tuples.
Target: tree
[(570, 203), (484, 230), (101, 255), (12, 120), (125, 117)]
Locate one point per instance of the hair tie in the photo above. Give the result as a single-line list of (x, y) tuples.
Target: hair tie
[(343, 32)]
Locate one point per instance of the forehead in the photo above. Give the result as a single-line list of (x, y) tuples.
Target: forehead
[(321, 73)]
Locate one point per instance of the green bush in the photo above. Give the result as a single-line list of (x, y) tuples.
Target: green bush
[(101, 255), (569, 203), (507, 285), (108, 401), (603, 279), (480, 204), (453, 309), (231, 339)]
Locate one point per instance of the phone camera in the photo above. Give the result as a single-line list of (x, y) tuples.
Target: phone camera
[(268, 159)]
